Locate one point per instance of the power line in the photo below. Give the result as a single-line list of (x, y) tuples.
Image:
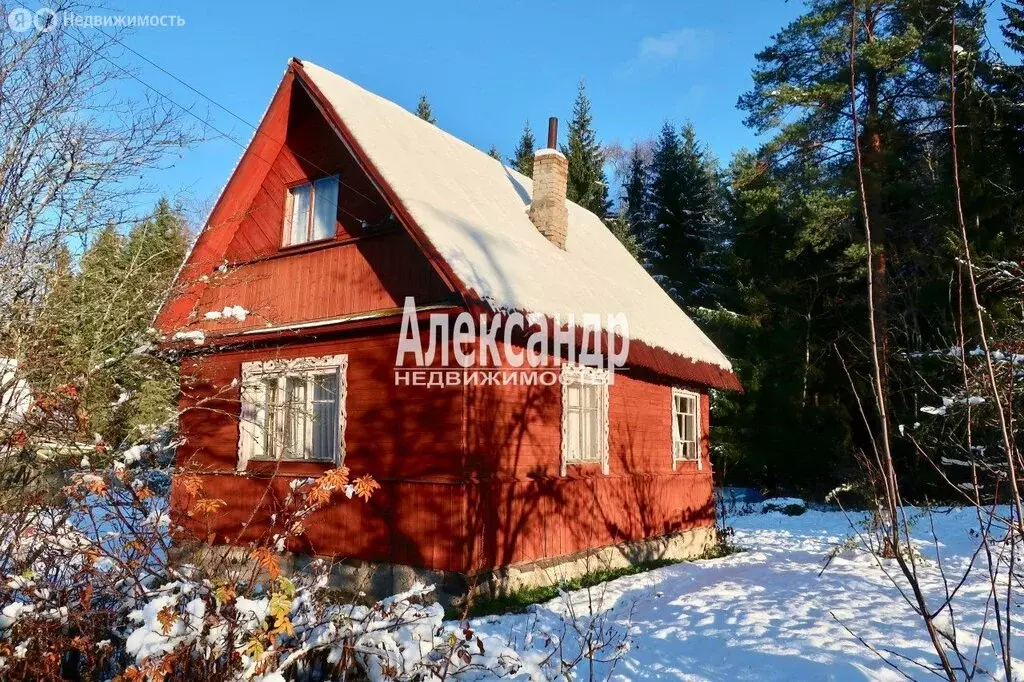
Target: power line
[(206, 123)]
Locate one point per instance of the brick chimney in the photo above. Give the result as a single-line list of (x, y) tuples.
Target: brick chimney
[(550, 178)]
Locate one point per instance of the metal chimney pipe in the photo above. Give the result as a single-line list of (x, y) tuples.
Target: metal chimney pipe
[(548, 210)]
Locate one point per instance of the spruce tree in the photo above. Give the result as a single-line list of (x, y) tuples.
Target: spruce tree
[(92, 331), (703, 220), (666, 256), (637, 209), (95, 319), (1013, 28), (778, 330), (588, 185), (154, 250), (51, 344), (494, 153), (522, 157), (158, 245), (686, 229), (1009, 85), (424, 111), (619, 226)]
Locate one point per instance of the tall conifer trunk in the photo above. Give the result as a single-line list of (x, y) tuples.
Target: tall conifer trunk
[(873, 145)]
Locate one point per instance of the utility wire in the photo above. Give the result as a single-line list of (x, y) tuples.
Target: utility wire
[(205, 122)]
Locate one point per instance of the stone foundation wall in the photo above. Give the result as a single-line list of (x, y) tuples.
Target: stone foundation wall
[(383, 579), (678, 546)]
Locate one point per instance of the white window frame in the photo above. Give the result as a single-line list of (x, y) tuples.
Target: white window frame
[(286, 237), (574, 376), (254, 410), (678, 442)]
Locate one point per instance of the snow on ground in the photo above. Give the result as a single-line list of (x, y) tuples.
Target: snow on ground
[(766, 614)]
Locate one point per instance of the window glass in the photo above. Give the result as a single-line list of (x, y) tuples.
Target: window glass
[(325, 415), (293, 410), (685, 427), (585, 418), (325, 194), (300, 214)]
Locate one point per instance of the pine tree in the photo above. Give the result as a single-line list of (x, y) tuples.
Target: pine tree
[(798, 246), (522, 157), (588, 185), (801, 94), (494, 153), (424, 111)]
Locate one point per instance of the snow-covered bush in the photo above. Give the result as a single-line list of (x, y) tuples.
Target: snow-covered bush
[(90, 591)]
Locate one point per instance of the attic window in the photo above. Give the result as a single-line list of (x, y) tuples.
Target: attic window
[(311, 211)]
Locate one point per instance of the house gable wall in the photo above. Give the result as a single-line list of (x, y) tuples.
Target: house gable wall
[(371, 264)]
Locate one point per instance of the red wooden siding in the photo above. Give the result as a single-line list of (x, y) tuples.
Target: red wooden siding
[(409, 438), (230, 209), (359, 270), (373, 273), (312, 150), (521, 509), (469, 474)]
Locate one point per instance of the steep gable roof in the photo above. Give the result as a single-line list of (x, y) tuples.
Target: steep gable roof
[(474, 212), (469, 214)]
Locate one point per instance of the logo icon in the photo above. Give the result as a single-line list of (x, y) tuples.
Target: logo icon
[(20, 20)]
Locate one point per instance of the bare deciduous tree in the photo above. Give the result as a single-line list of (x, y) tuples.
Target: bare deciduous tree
[(74, 150)]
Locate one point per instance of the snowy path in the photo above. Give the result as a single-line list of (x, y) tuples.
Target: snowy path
[(765, 614)]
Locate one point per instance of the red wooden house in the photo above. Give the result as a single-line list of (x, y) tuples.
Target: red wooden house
[(289, 309)]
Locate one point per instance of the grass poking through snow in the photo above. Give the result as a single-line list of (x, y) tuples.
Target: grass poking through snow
[(520, 600)]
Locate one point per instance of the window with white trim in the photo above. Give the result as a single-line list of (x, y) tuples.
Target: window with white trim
[(584, 416), (685, 427), (311, 211), (293, 410)]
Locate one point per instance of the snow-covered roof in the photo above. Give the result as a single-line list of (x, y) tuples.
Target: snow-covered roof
[(474, 212)]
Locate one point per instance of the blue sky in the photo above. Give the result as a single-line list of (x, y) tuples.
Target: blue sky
[(486, 65)]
